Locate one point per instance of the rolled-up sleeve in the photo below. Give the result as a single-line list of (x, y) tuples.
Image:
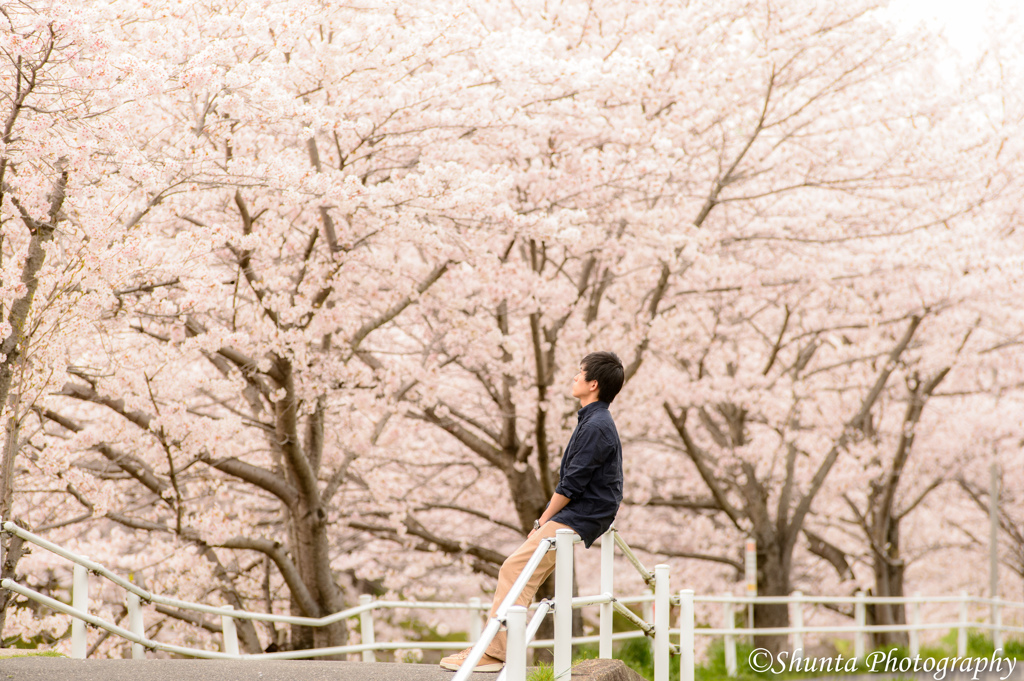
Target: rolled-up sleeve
[(589, 452)]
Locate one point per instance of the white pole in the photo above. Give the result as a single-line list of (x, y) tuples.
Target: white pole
[(366, 628), (662, 610), (135, 625), (961, 634), (515, 651), (860, 614), (474, 620), (798, 624), (686, 626), (997, 633), (608, 588), (230, 634), (993, 548), (648, 615), (915, 633), (563, 604), (729, 623), (79, 601)]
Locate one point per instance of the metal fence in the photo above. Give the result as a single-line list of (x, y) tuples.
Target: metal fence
[(655, 623)]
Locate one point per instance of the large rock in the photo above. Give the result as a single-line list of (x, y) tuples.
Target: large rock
[(604, 670)]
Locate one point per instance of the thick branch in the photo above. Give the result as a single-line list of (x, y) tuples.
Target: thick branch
[(42, 233), (735, 564), (491, 454), (284, 564), (266, 480), (473, 512), (396, 309), (133, 466), (88, 394), (449, 546), (194, 618), (853, 426), (820, 547), (681, 502), (699, 458)]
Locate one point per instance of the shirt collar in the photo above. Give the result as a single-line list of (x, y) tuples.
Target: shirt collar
[(590, 409)]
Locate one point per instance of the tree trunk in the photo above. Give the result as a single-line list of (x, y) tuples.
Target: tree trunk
[(13, 550), (889, 569), (309, 546), (10, 451), (10, 546), (772, 580)]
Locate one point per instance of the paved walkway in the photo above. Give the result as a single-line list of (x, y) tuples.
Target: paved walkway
[(66, 669)]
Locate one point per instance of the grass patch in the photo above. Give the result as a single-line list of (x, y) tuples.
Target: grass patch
[(637, 655), (7, 653)]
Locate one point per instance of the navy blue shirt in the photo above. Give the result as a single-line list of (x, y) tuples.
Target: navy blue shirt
[(591, 474)]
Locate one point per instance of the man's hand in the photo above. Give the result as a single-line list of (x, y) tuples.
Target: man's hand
[(557, 503)]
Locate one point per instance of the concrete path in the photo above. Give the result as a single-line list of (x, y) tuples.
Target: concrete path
[(66, 669)]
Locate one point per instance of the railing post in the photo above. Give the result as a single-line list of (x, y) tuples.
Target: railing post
[(686, 627), (607, 587), (230, 633), (860, 615), (662, 608), (136, 626), (915, 621), (79, 601), (729, 623), (563, 604), (515, 651), (648, 614), (961, 634), (997, 625), (798, 624), (366, 628), (474, 619)]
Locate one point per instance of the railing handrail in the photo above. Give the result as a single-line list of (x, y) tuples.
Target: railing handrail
[(837, 600), (659, 630), (149, 597), (644, 573), (478, 649)]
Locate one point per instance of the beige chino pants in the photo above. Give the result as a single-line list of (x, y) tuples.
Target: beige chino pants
[(510, 571)]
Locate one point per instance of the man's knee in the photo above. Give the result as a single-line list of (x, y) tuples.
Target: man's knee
[(509, 570)]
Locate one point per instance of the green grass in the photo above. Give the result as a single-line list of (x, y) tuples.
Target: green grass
[(542, 672), (8, 653), (637, 655)]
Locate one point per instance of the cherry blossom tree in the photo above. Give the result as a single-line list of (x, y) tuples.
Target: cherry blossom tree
[(315, 200), (781, 320), (336, 266), (56, 139)]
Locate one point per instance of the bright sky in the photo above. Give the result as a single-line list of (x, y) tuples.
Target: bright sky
[(963, 22)]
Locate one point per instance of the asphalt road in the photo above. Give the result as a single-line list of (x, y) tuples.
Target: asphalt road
[(66, 669)]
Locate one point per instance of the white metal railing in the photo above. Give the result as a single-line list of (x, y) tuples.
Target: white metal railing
[(519, 639), (521, 633), (860, 629)]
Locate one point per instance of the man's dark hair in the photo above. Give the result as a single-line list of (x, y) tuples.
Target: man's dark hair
[(606, 369)]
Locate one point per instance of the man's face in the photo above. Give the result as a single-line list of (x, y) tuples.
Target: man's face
[(581, 387)]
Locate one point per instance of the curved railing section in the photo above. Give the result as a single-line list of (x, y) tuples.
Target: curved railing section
[(655, 623), (521, 633)]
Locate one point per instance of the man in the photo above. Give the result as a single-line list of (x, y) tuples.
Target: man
[(586, 499)]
